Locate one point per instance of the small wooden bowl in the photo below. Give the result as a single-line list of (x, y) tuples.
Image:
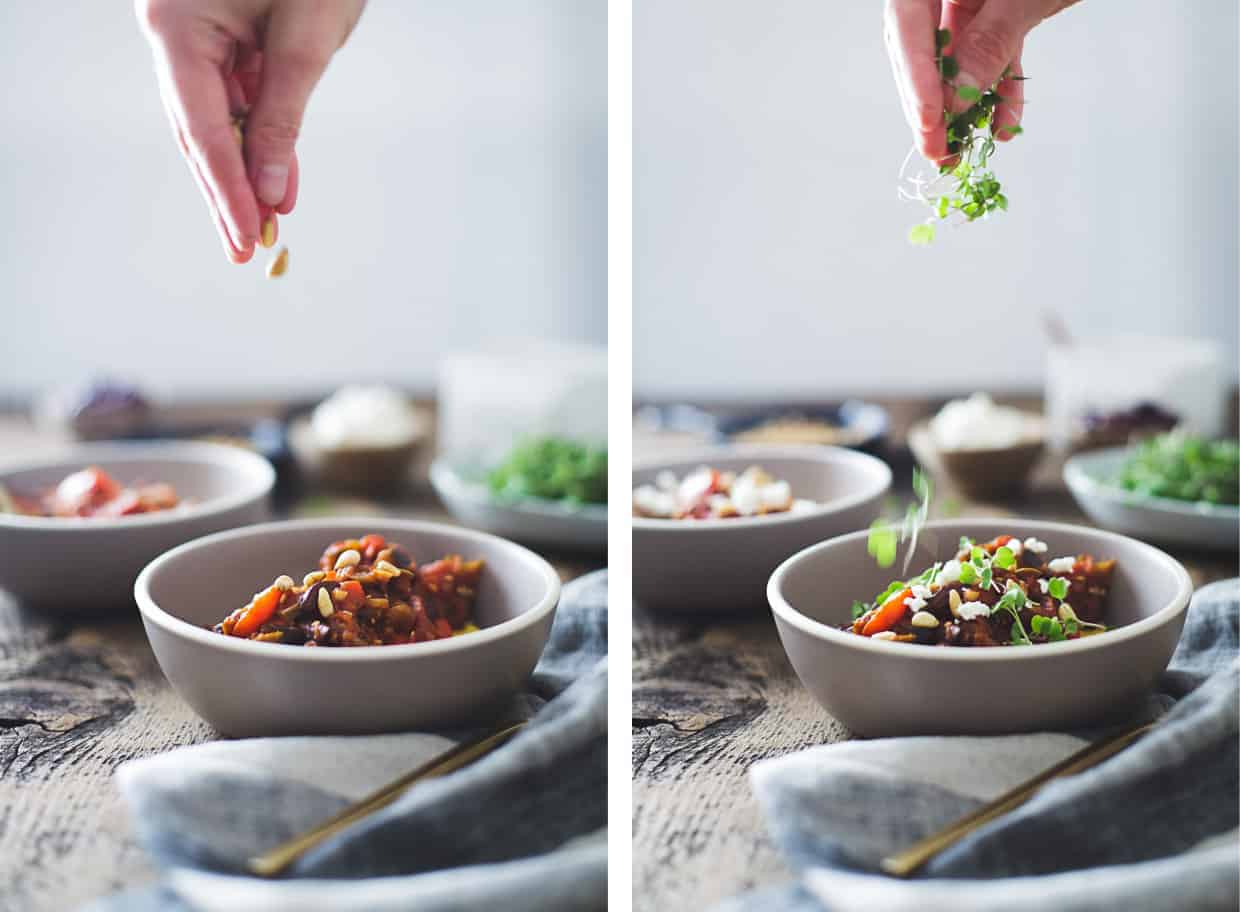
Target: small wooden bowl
[(980, 474), (358, 469)]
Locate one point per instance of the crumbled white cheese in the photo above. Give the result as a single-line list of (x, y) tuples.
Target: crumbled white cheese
[(1046, 585), (914, 603), (776, 496), (1061, 565), (800, 505), (1014, 546), (746, 495), (971, 610), (922, 592), (977, 423), (949, 574), (665, 480), (1036, 545), (652, 502)]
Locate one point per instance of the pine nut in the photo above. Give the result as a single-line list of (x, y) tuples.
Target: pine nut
[(953, 602), (283, 583), (386, 571), (349, 558), (884, 635), (926, 619), (311, 578), (279, 265), (268, 235), (339, 595), (377, 602), (326, 608)]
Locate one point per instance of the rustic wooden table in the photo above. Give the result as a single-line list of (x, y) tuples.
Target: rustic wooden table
[(712, 697), (77, 699)]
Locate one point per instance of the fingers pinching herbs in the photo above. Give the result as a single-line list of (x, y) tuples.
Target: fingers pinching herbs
[(909, 28)]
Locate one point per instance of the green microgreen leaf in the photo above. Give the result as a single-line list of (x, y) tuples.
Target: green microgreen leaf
[(968, 574), (942, 38), (1005, 559), (896, 586), (921, 235), (1013, 601), (858, 609), (978, 556), (882, 543), (1058, 588), (948, 67), (969, 93), (966, 544)]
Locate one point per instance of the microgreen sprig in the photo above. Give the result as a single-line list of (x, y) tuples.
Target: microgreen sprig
[(884, 540), (1013, 601), (967, 187)]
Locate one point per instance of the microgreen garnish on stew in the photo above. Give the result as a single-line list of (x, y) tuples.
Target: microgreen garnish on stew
[(1002, 592), (964, 186)]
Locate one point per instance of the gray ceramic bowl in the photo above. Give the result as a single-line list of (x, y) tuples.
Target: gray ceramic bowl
[(722, 565), (1089, 478), (882, 689), (89, 565), (249, 689)]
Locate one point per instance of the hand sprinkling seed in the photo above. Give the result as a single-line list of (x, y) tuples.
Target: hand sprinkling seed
[(235, 76)]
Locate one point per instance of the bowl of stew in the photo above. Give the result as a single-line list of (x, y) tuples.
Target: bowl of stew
[(347, 626), (78, 524), (711, 525), (889, 652)]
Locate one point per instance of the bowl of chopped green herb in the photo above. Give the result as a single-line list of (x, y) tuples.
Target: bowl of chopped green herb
[(546, 490), (1033, 665), (1173, 488)]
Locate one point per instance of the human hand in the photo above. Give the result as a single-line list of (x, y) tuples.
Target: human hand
[(987, 38), (217, 58)]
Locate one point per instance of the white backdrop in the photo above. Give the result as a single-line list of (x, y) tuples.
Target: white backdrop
[(770, 252), (454, 189)]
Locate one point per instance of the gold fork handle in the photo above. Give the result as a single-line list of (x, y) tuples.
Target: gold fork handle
[(277, 860), (911, 859)]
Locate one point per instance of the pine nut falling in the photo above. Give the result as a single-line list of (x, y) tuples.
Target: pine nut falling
[(267, 234), (279, 265)]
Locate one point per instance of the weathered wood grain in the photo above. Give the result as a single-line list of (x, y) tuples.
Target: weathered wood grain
[(75, 702), (713, 697), (709, 700)]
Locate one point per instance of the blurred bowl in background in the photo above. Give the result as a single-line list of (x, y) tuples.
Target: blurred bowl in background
[(465, 493), (88, 565), (855, 424), (1090, 477), (722, 565), (980, 473), (363, 469)]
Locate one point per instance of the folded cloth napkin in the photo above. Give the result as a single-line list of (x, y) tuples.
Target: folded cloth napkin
[(522, 828), (1152, 828)]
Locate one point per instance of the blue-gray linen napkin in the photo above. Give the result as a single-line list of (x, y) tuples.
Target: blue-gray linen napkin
[(524, 828), (1152, 828)]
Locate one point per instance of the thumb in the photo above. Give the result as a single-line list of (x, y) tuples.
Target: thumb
[(292, 65), (988, 45)]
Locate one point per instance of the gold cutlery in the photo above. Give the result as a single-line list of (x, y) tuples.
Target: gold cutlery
[(913, 858), (277, 860)]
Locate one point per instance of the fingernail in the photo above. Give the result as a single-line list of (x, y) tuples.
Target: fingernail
[(270, 182), (960, 104)]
